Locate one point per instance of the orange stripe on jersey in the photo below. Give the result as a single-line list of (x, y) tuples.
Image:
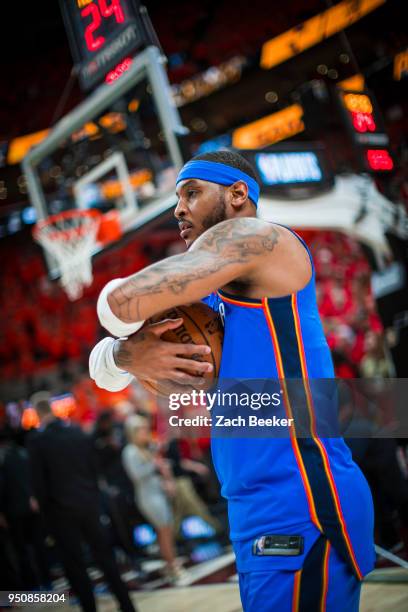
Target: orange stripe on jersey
[(241, 302), (317, 440), (323, 601), (296, 591), (286, 400)]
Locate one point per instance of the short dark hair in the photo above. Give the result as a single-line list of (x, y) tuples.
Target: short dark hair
[(229, 158)]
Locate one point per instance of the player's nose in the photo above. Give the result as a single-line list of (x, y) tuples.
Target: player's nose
[(180, 210)]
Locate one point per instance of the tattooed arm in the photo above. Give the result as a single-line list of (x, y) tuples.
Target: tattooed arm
[(226, 252)]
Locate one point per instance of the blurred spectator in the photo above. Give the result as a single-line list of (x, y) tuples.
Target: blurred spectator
[(9, 572), (377, 458), (20, 515), (65, 483), (108, 442), (374, 363), (154, 486), (118, 492), (186, 501)]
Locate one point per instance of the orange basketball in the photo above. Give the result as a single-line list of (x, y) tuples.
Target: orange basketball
[(201, 325)]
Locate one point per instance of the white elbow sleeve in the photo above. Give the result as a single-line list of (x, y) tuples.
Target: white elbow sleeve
[(110, 321), (103, 369)]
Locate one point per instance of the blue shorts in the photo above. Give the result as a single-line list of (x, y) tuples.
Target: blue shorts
[(324, 583)]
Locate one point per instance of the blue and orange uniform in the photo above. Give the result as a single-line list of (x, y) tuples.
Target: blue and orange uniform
[(304, 486)]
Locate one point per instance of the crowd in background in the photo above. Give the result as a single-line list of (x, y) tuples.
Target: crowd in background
[(45, 330), (352, 325), (61, 487), (120, 465)]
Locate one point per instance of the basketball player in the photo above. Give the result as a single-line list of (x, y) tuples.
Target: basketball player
[(303, 497)]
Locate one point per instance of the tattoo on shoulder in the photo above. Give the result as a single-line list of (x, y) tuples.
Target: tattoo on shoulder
[(239, 239), (232, 241)]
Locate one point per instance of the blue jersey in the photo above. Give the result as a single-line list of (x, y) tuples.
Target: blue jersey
[(291, 485)]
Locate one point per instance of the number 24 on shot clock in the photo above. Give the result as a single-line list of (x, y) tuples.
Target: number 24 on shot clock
[(101, 34)]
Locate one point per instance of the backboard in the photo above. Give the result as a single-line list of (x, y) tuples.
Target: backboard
[(118, 149)]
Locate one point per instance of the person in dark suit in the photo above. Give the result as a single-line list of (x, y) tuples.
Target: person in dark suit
[(21, 516), (65, 483)]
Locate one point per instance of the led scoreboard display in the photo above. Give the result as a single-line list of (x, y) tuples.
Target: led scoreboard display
[(102, 33), (365, 121), (293, 170), (367, 130), (286, 168)]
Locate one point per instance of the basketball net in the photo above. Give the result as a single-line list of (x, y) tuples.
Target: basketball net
[(70, 237)]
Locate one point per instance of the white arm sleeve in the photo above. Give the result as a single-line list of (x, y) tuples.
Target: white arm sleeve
[(103, 369), (108, 320)]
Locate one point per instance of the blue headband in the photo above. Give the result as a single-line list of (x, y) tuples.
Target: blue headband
[(222, 174)]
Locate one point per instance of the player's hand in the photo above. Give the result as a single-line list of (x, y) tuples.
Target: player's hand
[(148, 357)]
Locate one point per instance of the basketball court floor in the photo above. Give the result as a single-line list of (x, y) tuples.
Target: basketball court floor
[(212, 586)]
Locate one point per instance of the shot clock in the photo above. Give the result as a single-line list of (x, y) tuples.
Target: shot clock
[(104, 35), (365, 125)]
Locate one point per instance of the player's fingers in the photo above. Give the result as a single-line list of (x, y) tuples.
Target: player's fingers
[(159, 328), (192, 365), (186, 379), (188, 350)]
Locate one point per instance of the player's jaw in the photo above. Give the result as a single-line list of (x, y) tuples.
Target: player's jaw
[(192, 228)]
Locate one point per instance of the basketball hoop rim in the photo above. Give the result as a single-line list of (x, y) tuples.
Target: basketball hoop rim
[(89, 213)]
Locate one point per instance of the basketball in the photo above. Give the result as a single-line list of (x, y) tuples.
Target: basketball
[(201, 325)]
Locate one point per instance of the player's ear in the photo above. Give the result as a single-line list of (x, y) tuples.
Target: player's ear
[(239, 193)]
